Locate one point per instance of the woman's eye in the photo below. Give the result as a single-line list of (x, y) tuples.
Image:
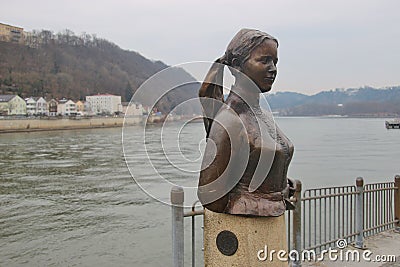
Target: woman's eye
[(268, 59)]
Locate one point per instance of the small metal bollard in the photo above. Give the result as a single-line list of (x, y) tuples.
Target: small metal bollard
[(177, 198), (297, 224), (359, 243)]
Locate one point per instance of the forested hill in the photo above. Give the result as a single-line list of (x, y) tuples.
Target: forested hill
[(66, 65), (364, 101)]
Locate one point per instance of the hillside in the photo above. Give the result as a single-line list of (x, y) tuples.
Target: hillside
[(66, 65), (364, 101)]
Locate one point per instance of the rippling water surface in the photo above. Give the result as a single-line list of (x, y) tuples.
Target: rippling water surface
[(68, 199)]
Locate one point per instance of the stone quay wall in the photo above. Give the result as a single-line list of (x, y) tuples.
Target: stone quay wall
[(26, 125)]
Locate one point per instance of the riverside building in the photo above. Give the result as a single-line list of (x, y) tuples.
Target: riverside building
[(105, 104), (12, 105), (9, 33)]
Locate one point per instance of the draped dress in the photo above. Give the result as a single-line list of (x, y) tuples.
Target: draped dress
[(270, 198)]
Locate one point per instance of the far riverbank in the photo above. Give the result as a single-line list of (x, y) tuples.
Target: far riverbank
[(11, 125), (47, 124)]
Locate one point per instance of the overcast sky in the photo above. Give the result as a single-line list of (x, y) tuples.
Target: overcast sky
[(323, 44)]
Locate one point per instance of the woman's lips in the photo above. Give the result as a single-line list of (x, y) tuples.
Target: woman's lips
[(268, 79)]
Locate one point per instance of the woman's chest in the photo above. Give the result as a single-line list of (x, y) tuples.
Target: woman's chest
[(264, 135)]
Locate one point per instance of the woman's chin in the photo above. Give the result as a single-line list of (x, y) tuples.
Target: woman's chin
[(266, 89)]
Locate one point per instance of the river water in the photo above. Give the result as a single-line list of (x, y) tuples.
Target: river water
[(67, 198)]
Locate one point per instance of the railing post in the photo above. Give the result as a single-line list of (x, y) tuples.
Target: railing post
[(297, 224), (177, 198), (397, 201), (359, 213)]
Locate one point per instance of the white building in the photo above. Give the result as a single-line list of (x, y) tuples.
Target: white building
[(132, 109), (36, 106), (12, 105), (105, 103), (30, 106), (66, 107), (41, 106), (87, 109)]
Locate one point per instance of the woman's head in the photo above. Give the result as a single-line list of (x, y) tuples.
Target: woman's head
[(260, 66), (241, 45), (253, 53), (241, 54)]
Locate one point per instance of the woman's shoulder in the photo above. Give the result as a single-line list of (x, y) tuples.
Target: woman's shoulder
[(226, 123), (228, 117)]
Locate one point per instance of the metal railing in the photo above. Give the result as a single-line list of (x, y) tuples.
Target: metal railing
[(321, 217), (324, 215), (178, 215), (192, 214), (328, 214), (379, 207)]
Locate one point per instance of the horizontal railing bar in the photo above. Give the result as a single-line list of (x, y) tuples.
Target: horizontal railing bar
[(348, 193), (330, 195), (378, 184), (333, 187), (381, 225), (380, 189), (366, 186), (193, 213), (330, 242)]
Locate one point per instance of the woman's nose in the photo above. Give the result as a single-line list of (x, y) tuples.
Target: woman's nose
[(272, 69)]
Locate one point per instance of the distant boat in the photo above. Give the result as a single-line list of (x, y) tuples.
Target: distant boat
[(155, 118), (394, 124)]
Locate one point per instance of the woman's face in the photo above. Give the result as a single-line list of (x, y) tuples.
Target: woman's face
[(261, 65)]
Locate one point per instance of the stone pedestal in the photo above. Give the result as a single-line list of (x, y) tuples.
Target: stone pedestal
[(231, 240)]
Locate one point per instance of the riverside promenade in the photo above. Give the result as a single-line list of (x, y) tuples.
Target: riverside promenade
[(55, 123), (383, 244), (331, 226)]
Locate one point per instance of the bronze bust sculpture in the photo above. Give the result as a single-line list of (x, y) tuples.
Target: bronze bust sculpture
[(245, 164)]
